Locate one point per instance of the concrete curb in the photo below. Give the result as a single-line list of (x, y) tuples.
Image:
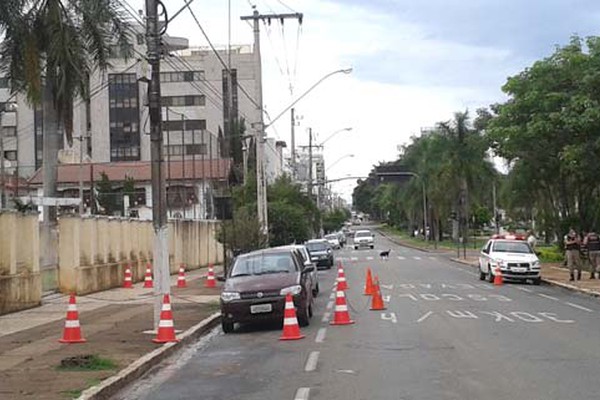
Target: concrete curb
[(133, 371), (547, 281)]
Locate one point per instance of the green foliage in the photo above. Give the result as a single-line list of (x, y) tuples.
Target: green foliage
[(482, 215), (550, 254), (334, 220), (87, 363), (242, 233), (107, 196), (549, 130)]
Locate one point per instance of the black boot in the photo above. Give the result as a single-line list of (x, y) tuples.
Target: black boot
[(592, 276), (572, 277), (578, 275)]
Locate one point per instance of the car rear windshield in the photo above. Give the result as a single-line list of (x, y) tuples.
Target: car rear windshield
[(331, 237), (362, 234), (263, 264), (318, 246), (512, 247)]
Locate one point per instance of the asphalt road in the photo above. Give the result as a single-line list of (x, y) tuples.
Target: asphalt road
[(444, 335)]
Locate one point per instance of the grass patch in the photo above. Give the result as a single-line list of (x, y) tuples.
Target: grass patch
[(550, 254), (91, 362)]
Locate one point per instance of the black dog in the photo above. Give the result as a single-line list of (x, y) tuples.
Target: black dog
[(385, 254)]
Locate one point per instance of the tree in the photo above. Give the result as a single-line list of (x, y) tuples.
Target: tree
[(241, 234), (50, 49), (548, 131), (107, 196), (334, 220)]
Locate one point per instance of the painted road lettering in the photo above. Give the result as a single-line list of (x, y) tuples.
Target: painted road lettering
[(461, 314), (389, 317)]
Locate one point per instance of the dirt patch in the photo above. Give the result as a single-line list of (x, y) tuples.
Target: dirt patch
[(113, 332)]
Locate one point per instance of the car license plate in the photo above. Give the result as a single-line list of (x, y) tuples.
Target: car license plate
[(261, 308), (519, 269)]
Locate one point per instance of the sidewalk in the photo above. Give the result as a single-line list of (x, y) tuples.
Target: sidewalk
[(552, 273), (112, 321)]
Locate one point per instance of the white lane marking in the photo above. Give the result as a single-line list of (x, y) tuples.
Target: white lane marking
[(302, 393), (524, 289), (346, 371), (369, 258), (579, 307), (332, 295), (329, 305), (547, 296), (321, 335), (417, 258), (401, 258), (354, 258), (424, 317), (389, 317), (311, 363), (326, 317), (388, 287), (432, 258)]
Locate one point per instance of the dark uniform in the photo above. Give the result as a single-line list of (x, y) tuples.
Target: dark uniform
[(572, 250), (592, 241)]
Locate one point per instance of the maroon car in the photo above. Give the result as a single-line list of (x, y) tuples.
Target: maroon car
[(257, 283)]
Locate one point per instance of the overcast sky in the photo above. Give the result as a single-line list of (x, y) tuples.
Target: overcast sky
[(415, 62)]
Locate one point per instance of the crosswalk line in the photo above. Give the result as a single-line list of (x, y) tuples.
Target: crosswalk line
[(369, 258), (417, 258), (401, 258)]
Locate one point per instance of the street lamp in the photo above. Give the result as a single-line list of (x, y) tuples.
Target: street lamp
[(338, 160), (409, 173), (333, 134)]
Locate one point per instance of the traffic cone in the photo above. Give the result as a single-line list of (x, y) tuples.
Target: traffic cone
[(498, 281), (377, 301), (181, 283), (341, 315), (341, 279), (166, 328), (210, 281), (291, 329), (128, 282), (369, 289), (148, 283), (72, 331)]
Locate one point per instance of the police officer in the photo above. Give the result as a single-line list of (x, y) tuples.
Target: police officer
[(592, 241), (572, 250)]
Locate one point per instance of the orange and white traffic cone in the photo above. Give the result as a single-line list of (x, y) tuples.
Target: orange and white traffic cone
[(369, 289), (341, 279), (128, 282), (498, 280), (377, 301), (210, 278), (148, 283), (341, 315), (166, 327), (291, 329), (181, 282), (72, 331)]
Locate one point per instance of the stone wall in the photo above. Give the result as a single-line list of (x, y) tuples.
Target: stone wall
[(94, 252), (20, 284)]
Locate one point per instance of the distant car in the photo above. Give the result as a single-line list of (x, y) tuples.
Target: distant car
[(363, 238), (321, 252), (513, 255), (257, 283), (333, 240), (314, 276)]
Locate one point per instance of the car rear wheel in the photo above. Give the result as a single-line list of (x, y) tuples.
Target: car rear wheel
[(481, 275), (490, 276), (227, 326)]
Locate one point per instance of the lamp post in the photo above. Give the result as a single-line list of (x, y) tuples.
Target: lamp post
[(410, 173), (333, 134)]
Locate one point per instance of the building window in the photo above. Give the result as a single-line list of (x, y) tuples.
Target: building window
[(181, 76), (9, 131), (186, 124), (180, 101), (194, 149), (10, 155), (124, 117), (3, 83)]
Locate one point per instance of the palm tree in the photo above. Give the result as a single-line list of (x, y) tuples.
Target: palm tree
[(50, 48)]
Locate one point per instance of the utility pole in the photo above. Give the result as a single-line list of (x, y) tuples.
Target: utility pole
[(293, 145), (261, 186), (159, 215), (310, 164), (2, 184)]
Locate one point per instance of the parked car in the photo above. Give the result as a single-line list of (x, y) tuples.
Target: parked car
[(363, 238), (333, 240), (257, 283), (513, 255), (314, 276), (321, 252)]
